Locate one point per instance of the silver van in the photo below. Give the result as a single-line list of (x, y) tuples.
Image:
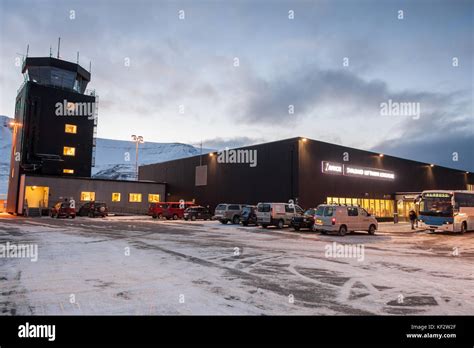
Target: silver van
[(343, 219), (228, 212), (277, 214)]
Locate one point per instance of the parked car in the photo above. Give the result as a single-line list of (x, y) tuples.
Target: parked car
[(228, 212), (62, 209), (343, 219), (249, 215), (277, 214), (304, 221), (156, 210), (175, 210), (94, 209), (197, 212)]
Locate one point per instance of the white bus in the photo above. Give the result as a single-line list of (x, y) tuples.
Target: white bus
[(445, 210)]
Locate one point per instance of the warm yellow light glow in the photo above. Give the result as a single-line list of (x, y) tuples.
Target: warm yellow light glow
[(69, 151), (87, 196), (381, 155), (15, 124), (70, 128), (116, 197), (153, 198), (431, 165), (135, 197), (304, 140), (211, 154), (68, 171)]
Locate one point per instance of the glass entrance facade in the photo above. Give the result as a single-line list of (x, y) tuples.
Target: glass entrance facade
[(376, 207)]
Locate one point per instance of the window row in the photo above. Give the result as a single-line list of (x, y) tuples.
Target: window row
[(377, 207), (117, 197)]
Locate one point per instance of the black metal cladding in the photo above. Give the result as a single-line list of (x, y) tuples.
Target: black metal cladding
[(41, 135), (291, 169), (410, 176), (44, 132)]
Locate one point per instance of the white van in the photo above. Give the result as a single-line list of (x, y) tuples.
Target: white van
[(343, 219), (276, 214)]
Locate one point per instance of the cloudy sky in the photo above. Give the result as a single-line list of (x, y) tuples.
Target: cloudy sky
[(177, 80)]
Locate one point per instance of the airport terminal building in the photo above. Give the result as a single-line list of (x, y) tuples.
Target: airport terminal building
[(309, 172)]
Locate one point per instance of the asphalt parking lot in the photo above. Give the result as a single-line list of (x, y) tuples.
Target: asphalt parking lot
[(137, 265)]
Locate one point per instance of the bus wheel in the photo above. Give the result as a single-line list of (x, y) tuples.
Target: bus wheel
[(463, 227)]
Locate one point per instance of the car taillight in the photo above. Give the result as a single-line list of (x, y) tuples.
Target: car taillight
[(333, 221)]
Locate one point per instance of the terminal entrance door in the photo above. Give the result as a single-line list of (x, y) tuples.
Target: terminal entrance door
[(404, 205), (36, 196)]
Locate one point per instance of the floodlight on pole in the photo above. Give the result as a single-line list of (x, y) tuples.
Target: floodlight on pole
[(138, 139)]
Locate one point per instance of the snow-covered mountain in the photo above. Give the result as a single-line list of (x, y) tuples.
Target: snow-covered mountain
[(114, 159), (5, 152)]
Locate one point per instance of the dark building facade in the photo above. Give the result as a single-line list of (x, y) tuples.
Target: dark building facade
[(309, 172), (54, 141), (55, 118)]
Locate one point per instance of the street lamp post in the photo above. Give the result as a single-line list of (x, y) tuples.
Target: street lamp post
[(138, 139)]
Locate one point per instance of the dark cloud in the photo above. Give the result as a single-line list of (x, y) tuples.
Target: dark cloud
[(438, 137)]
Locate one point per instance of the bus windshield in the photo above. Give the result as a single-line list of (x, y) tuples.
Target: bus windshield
[(436, 204)]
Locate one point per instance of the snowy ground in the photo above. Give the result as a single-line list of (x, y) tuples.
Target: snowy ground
[(178, 267)]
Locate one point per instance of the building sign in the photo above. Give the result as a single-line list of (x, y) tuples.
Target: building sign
[(332, 168), (356, 171), (436, 195)]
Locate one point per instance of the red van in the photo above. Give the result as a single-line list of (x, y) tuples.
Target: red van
[(175, 210), (156, 210)]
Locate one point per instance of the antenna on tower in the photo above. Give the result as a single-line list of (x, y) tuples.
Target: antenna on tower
[(50, 51), (77, 57), (27, 50), (90, 66), (59, 45)]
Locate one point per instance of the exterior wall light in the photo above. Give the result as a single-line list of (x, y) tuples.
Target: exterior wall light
[(304, 140), (381, 155), (431, 165)]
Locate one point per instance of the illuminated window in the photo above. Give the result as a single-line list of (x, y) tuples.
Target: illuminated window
[(116, 197), (134, 197), (70, 128), (377, 207), (69, 151), (470, 187), (153, 198), (68, 171), (87, 196)]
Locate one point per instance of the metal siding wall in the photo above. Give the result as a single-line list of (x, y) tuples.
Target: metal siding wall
[(410, 176), (69, 187), (270, 180)]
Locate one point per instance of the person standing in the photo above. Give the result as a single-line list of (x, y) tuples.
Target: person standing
[(412, 215)]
